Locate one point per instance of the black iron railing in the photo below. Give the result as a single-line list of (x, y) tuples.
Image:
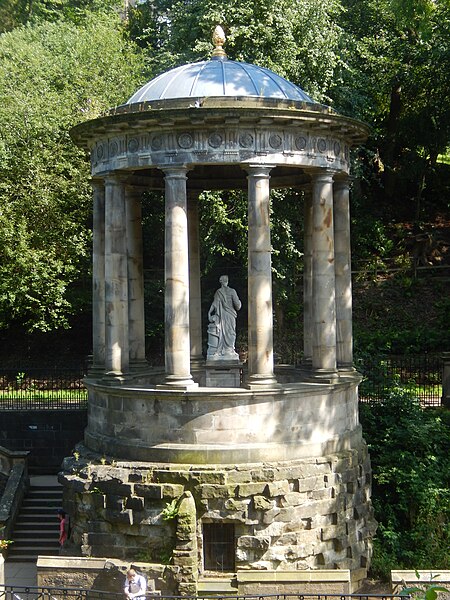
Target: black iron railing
[(421, 374), (33, 387), (56, 593), (26, 387)]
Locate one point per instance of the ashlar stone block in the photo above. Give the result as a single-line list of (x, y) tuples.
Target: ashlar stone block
[(262, 503), (277, 488), (248, 541), (250, 489)]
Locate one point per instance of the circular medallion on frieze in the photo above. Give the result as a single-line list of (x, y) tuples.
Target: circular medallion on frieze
[(157, 142), (100, 152), (300, 142), (185, 141), (246, 140), (113, 148), (321, 145), (275, 140), (337, 148), (215, 140), (133, 145)]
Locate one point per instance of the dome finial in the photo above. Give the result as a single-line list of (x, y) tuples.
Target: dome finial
[(218, 39)]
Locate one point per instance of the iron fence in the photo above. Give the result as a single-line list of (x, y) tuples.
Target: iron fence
[(38, 387), (33, 387), (421, 374), (56, 593)]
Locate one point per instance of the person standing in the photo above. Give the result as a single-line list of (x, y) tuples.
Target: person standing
[(64, 525), (135, 585)]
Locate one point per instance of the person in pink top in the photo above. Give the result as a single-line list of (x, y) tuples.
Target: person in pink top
[(63, 527)]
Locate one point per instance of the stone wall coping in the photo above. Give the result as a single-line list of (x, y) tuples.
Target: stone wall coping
[(324, 575), (198, 393), (16, 487), (438, 575), (9, 458), (89, 563)]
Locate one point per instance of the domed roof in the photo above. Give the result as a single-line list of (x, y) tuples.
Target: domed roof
[(219, 77)]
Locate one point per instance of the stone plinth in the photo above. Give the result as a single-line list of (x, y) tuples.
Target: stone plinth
[(223, 374), (101, 574), (440, 577), (223, 425)]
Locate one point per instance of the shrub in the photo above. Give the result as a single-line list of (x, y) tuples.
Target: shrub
[(409, 448)]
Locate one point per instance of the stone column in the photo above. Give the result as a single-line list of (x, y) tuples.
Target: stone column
[(445, 400), (98, 278), (195, 294), (116, 279), (260, 317), (136, 316), (323, 279), (343, 274), (307, 280), (176, 260)]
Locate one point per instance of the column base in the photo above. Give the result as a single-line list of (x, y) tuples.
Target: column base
[(139, 366), (445, 401), (257, 382), (346, 369), (323, 375), (115, 378), (174, 382), (96, 371), (305, 366)]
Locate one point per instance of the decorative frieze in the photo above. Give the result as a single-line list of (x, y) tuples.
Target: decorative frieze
[(232, 144)]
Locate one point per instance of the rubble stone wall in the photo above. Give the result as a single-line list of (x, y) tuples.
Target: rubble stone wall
[(306, 514)]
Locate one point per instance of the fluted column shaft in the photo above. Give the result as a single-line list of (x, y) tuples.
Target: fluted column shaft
[(98, 276), (116, 279), (176, 261), (342, 252), (195, 295), (307, 279), (323, 278), (136, 316), (260, 317)]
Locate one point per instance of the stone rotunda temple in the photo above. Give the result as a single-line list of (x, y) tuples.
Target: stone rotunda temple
[(247, 470)]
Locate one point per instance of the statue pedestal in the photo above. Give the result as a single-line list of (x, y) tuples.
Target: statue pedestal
[(223, 373)]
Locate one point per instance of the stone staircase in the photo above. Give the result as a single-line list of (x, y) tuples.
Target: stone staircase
[(37, 526)]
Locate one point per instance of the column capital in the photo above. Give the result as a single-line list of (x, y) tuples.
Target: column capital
[(325, 175), (255, 170), (97, 182), (175, 171), (116, 177), (342, 181)]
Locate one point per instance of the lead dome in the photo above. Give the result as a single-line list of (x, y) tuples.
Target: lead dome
[(219, 77)]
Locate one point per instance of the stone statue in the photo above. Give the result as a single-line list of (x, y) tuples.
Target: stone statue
[(222, 323)]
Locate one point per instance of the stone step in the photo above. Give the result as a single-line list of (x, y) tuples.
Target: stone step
[(36, 530), (33, 535)]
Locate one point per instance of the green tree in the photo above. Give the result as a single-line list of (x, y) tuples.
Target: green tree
[(396, 61), (14, 13), (299, 39), (409, 448), (52, 76)]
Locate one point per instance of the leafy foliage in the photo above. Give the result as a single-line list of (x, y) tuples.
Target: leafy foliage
[(50, 79), (395, 78), (409, 448), (297, 38)]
